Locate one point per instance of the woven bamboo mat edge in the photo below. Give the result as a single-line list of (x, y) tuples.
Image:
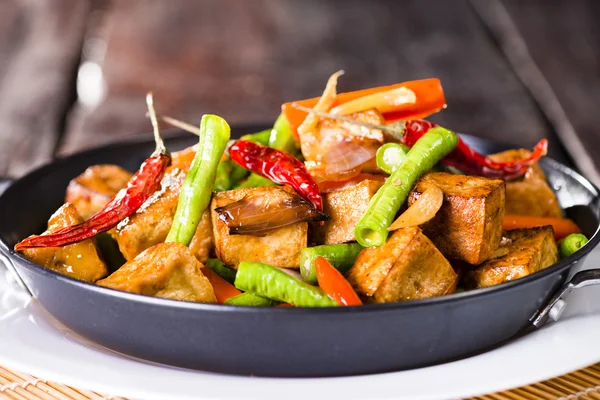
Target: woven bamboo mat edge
[(583, 384)]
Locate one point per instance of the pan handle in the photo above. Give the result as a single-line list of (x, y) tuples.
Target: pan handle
[(555, 307), (4, 258)]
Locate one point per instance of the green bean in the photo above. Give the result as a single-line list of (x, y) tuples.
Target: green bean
[(109, 251), (341, 256), (371, 230), (390, 155), (571, 244), (223, 177), (249, 299), (281, 137), (261, 137), (267, 281), (196, 190), (255, 180), (221, 269)]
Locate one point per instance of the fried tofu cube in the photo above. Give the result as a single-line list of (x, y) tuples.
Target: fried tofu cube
[(182, 159), (152, 222), (345, 207), (530, 194), (78, 260), (280, 247), (167, 270), (468, 227), (407, 267), (524, 251), (93, 189)]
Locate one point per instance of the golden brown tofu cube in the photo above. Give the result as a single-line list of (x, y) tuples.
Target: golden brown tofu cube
[(280, 247), (468, 227), (78, 260), (523, 252), (150, 225), (530, 194), (345, 207), (168, 270), (182, 159), (90, 191), (406, 267)]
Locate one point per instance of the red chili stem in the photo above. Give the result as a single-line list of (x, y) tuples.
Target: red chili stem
[(468, 160), (139, 188), (278, 166)]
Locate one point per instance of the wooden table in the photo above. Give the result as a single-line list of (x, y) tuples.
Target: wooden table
[(73, 72)]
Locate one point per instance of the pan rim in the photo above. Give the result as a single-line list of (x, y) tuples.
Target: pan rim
[(174, 134)]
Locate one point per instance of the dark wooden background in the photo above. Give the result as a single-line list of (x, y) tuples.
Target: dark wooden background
[(73, 73)]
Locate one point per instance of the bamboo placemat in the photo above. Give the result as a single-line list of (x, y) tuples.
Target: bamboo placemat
[(582, 385)]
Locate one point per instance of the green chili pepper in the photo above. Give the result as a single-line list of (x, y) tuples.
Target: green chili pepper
[(249, 299), (267, 281), (221, 269), (571, 244), (196, 190), (281, 137), (341, 256), (255, 180), (261, 137), (223, 177), (390, 156), (371, 230)]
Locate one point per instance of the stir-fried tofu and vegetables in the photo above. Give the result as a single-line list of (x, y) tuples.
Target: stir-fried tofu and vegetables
[(351, 198)]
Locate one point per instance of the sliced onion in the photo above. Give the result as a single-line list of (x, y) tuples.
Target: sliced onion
[(260, 213), (324, 104), (422, 210)]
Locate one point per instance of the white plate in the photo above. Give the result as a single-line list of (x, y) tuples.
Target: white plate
[(33, 342)]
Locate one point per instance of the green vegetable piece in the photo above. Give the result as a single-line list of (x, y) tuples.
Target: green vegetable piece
[(109, 251), (261, 137), (250, 300), (281, 137), (371, 230), (341, 256), (196, 190), (237, 173), (223, 177), (390, 156), (267, 281), (221, 269), (255, 180), (571, 244)]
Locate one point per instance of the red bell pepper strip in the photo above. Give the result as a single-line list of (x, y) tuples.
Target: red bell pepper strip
[(278, 166), (468, 160), (140, 187), (429, 94), (334, 284)]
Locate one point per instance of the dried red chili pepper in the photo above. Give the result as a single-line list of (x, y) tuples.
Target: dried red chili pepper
[(278, 166), (126, 202), (468, 160)]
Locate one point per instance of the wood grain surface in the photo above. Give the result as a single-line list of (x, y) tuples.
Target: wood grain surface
[(242, 59)]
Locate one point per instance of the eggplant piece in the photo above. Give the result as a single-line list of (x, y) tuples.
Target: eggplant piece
[(167, 270), (345, 208), (278, 247), (150, 225), (530, 194), (407, 267), (93, 189), (468, 226), (78, 260), (524, 251)]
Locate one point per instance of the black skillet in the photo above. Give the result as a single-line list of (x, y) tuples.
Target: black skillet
[(287, 342)]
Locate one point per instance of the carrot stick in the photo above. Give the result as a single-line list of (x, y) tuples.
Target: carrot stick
[(429, 94), (562, 226), (223, 289)]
